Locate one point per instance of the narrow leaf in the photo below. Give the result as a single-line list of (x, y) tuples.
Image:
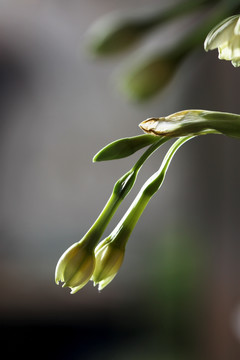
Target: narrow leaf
[(124, 147)]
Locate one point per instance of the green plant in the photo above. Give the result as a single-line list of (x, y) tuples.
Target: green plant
[(99, 261)]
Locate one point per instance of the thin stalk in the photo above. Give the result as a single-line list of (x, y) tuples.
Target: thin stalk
[(126, 225), (120, 191)]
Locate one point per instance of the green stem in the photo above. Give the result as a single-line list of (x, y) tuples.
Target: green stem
[(120, 191), (149, 152), (126, 225), (222, 122)]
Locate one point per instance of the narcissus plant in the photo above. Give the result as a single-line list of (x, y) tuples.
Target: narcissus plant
[(100, 260)]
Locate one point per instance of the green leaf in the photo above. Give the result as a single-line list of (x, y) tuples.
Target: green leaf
[(124, 147)]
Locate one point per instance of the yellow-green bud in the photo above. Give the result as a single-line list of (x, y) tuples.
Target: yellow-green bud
[(75, 266), (109, 257), (226, 37)]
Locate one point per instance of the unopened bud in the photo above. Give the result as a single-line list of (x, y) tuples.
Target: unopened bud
[(193, 122), (109, 257), (75, 267)]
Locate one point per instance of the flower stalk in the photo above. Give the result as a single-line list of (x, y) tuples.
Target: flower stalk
[(75, 267), (120, 190), (109, 253)]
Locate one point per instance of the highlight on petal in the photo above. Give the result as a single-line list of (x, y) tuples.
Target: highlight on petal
[(102, 284), (220, 33), (109, 258), (226, 37)]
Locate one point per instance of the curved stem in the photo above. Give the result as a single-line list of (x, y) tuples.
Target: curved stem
[(126, 225), (149, 152), (120, 191)]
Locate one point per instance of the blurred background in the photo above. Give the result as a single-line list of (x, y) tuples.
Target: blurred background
[(177, 295)]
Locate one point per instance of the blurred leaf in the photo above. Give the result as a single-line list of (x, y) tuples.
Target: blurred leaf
[(148, 77), (119, 31)]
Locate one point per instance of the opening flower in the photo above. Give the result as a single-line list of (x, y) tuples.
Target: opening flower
[(226, 37)]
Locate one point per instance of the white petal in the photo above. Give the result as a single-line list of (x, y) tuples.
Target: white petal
[(237, 28), (225, 52), (221, 33)]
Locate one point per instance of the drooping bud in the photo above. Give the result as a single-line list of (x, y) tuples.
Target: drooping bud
[(75, 266), (109, 257)]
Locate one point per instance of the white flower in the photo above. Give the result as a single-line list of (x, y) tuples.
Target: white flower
[(226, 37)]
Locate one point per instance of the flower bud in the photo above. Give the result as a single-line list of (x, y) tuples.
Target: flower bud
[(226, 37), (193, 122), (75, 266), (181, 123), (109, 257)]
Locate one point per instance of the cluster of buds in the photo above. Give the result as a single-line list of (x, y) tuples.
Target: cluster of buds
[(81, 263), (100, 261), (90, 260)]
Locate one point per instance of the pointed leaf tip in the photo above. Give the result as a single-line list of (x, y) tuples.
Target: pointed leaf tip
[(124, 147)]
